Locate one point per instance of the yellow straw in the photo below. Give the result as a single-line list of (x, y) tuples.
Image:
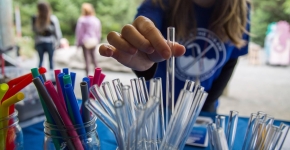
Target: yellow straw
[(3, 89), (4, 112)]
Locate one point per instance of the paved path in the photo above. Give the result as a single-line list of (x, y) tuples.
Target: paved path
[(258, 88)]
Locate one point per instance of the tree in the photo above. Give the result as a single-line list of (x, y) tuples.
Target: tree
[(265, 12), (112, 13)]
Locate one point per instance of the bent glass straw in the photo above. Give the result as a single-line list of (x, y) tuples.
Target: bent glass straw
[(98, 94), (170, 72)]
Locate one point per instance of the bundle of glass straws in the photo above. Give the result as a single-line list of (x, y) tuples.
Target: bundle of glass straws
[(260, 134), (138, 117)]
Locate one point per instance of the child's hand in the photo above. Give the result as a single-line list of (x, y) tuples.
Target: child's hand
[(139, 45)]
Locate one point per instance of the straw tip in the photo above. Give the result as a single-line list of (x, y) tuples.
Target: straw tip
[(20, 96), (4, 87), (42, 70), (34, 72)]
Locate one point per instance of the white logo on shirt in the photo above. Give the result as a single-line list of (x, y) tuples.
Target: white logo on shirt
[(201, 60)]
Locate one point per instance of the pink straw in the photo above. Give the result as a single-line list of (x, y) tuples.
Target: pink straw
[(59, 91), (64, 116), (102, 77)]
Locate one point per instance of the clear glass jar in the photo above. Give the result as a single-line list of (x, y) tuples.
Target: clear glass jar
[(11, 136), (54, 139)]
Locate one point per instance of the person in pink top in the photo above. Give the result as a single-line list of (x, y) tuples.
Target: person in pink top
[(88, 34)]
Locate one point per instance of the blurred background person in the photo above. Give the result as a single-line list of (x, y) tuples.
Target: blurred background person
[(88, 34), (47, 33)]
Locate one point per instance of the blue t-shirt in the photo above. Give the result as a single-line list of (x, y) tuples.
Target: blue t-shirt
[(205, 53)]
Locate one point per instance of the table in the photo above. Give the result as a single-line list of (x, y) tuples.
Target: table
[(34, 136)]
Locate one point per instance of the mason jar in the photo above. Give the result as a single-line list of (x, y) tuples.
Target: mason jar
[(55, 140), (11, 136)]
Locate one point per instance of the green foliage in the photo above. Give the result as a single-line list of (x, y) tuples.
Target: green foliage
[(113, 14), (264, 13)]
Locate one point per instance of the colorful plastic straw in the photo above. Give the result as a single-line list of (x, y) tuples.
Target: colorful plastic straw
[(59, 89), (97, 74), (47, 114), (73, 79), (54, 113), (74, 107), (102, 77), (17, 84), (85, 97), (67, 80), (4, 112), (63, 114)]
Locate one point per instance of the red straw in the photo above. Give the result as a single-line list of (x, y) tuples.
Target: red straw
[(59, 90), (10, 145), (12, 91), (17, 84), (15, 81)]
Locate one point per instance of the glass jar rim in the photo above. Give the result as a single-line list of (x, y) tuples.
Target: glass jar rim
[(11, 116), (51, 127), (75, 126)]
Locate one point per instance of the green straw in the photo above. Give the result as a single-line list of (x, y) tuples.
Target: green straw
[(67, 80), (57, 143)]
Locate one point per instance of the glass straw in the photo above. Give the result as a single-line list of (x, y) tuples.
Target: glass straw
[(170, 71), (258, 131), (271, 137), (118, 86), (196, 112), (135, 88), (127, 102), (122, 121), (190, 114), (158, 120), (284, 129), (249, 130), (220, 121), (143, 90), (109, 92), (231, 128), (98, 94), (179, 119)]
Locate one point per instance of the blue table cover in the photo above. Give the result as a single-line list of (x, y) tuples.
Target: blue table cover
[(34, 135)]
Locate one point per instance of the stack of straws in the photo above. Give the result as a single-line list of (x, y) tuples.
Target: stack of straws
[(260, 134), (9, 95), (60, 105), (136, 116)]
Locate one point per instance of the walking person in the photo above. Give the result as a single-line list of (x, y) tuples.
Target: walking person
[(88, 34), (47, 32)]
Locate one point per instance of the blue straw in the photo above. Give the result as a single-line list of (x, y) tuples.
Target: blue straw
[(65, 71), (74, 106), (86, 79), (73, 79), (60, 79), (67, 102)]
